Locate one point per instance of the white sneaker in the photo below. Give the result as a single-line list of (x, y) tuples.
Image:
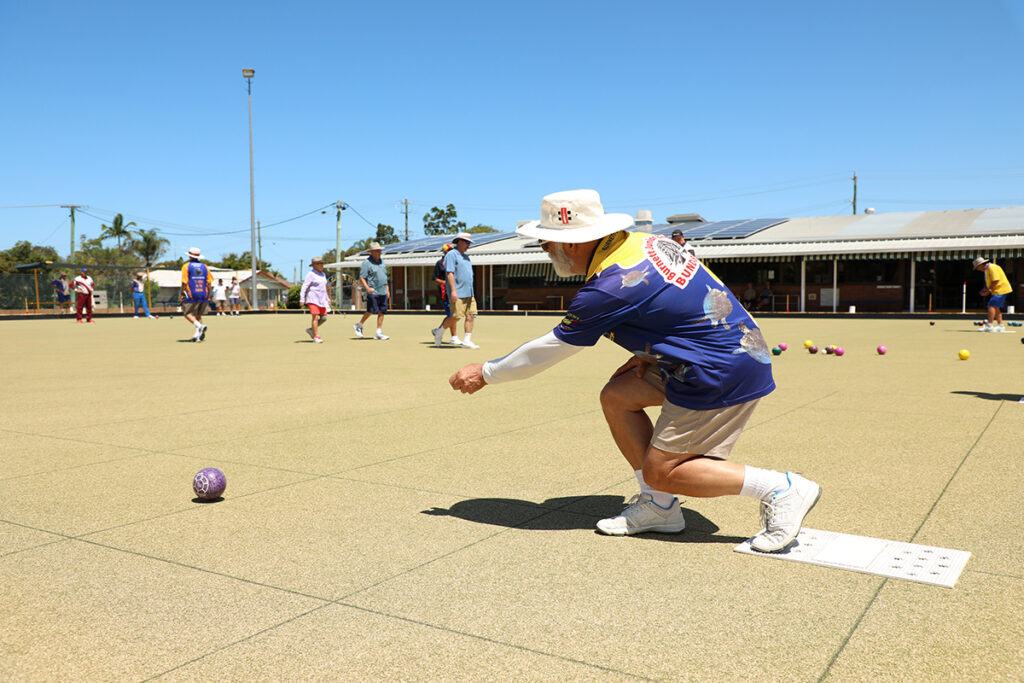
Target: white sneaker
[(359, 330), (135, 317), (202, 333), (438, 333), (470, 345), (380, 335), (456, 341), (783, 513), (318, 340), (309, 331), (642, 515)]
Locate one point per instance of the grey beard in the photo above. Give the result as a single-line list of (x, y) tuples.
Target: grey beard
[(560, 262)]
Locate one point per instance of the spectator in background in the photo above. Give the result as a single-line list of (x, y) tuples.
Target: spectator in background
[(220, 295), (62, 288), (196, 279), (767, 298), (139, 296), (678, 238), (373, 276), (750, 297), (441, 280), (234, 295), (459, 275), (84, 287), (314, 295)]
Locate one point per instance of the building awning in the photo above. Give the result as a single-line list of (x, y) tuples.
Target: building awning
[(544, 270), (944, 255)]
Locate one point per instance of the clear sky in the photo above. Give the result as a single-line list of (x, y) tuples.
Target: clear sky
[(728, 109)]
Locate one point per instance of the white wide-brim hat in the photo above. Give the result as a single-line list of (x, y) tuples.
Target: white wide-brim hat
[(574, 216), (194, 253)]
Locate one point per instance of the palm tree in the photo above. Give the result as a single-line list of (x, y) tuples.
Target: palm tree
[(149, 245), (119, 230)]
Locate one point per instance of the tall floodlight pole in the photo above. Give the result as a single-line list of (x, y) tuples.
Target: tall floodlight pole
[(337, 253), (247, 74)]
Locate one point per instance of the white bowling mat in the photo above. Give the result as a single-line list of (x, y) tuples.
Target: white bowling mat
[(897, 560)]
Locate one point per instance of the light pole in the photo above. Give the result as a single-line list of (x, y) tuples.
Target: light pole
[(337, 281), (247, 74)]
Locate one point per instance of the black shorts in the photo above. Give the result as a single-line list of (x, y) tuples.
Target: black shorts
[(376, 303)]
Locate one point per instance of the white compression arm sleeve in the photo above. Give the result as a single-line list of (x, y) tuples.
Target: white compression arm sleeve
[(529, 359)]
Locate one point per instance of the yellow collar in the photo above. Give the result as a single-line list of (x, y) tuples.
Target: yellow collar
[(603, 256)]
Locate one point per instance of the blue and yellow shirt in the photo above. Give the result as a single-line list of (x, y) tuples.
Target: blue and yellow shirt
[(196, 279), (650, 296)]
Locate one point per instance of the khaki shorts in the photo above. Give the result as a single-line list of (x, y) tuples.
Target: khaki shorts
[(464, 307), (701, 432), (194, 308)]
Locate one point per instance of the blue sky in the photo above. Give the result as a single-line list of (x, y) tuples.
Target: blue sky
[(730, 110)]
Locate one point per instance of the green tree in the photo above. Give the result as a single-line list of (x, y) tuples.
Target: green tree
[(442, 221), (243, 262), (93, 253), (386, 234), (25, 252), (119, 230), (481, 228), (149, 245)]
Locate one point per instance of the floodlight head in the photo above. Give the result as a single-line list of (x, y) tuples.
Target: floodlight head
[(248, 73), (870, 210)]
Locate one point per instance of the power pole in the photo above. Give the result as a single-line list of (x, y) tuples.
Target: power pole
[(405, 204), (854, 179), (71, 255), (337, 281)]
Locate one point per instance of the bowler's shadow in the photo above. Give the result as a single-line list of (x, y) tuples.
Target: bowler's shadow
[(553, 515), (991, 397)]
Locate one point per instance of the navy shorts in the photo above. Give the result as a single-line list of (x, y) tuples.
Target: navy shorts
[(997, 300), (376, 303), (61, 298)]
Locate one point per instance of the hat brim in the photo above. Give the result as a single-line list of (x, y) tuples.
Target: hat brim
[(613, 222)]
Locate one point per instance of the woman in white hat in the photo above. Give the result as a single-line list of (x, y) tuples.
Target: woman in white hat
[(314, 295)]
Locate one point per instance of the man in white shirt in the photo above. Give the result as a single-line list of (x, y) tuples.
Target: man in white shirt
[(84, 287), (220, 295)]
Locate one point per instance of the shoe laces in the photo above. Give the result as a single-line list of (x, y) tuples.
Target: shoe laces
[(768, 513), (637, 500)]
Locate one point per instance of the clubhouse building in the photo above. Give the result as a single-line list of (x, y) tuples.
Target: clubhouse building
[(916, 261)]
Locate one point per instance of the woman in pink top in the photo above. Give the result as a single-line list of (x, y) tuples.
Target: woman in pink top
[(314, 295)]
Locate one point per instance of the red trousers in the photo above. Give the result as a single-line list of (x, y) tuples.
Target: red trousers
[(83, 301)]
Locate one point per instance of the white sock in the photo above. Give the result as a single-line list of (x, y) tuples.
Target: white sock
[(661, 499), (759, 483), (469, 335), (380, 331), (198, 324)]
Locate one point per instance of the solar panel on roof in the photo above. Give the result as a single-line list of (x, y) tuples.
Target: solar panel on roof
[(708, 229), (746, 228), (488, 237)]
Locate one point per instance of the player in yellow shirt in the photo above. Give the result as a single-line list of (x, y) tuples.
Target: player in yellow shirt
[(997, 286)]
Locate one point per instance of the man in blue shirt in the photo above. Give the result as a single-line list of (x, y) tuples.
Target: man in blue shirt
[(373, 276), (196, 279), (459, 273), (695, 352)]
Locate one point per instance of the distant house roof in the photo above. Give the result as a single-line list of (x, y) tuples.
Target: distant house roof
[(168, 277)]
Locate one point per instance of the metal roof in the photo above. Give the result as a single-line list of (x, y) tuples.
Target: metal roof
[(912, 233)]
